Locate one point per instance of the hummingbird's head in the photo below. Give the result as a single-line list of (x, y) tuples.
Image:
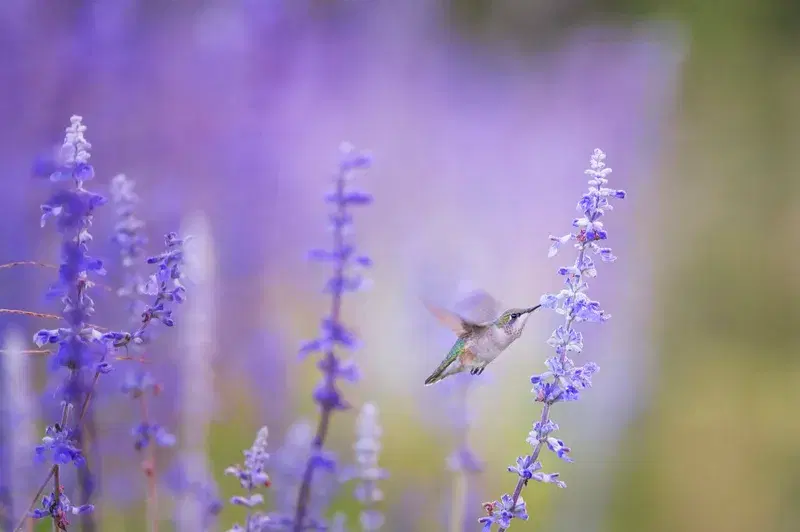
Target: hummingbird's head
[(513, 320)]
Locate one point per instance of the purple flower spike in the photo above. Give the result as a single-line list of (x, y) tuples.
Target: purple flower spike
[(346, 277), (564, 380), (80, 349), (252, 475)]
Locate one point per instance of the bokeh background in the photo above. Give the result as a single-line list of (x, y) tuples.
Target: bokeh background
[(481, 115)]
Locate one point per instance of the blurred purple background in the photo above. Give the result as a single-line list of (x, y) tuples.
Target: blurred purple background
[(235, 110)]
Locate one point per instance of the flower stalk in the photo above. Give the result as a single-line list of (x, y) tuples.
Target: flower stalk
[(334, 333), (564, 380)]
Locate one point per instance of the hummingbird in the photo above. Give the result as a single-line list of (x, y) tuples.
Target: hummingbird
[(478, 343)]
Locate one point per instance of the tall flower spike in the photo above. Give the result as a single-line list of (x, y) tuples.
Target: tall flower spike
[(166, 288), (17, 427), (346, 278), (563, 381), (462, 462), (81, 348), (367, 472), (252, 475), (195, 359), (129, 238)]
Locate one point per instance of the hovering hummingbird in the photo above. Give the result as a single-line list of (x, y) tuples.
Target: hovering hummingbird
[(478, 344)]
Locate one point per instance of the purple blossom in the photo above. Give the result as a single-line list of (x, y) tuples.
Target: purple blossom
[(252, 475), (564, 380), (166, 287), (58, 508), (145, 432), (346, 277), (501, 512), (72, 209), (60, 445)]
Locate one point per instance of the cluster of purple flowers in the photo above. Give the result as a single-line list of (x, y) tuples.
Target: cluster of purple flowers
[(308, 474), (306, 471), (564, 380), (83, 349), (164, 286)]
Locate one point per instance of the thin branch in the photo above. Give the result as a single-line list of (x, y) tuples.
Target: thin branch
[(35, 499), (27, 263), (49, 266), (32, 314)]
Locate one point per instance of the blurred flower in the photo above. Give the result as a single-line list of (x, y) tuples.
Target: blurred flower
[(346, 263), (564, 380), (129, 238), (16, 428), (194, 358), (146, 432), (287, 466), (203, 492), (367, 472)]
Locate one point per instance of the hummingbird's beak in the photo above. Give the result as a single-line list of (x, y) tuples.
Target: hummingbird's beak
[(529, 310)]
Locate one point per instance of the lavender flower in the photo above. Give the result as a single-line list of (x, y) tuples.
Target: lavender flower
[(81, 348), (73, 210), (252, 475), (564, 380), (503, 511), (59, 445), (344, 259), (164, 285), (201, 491), (58, 508), (367, 472)]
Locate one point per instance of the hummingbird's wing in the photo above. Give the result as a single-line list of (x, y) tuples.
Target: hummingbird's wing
[(453, 321), (478, 306)]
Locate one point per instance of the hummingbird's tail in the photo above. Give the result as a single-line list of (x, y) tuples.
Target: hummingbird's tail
[(439, 373)]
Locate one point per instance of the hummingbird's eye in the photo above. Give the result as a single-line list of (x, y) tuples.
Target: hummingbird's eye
[(514, 316)]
